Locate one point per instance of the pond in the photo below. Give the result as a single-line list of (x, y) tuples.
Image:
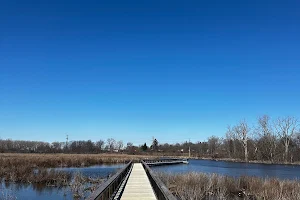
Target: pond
[(34, 192), (234, 169)]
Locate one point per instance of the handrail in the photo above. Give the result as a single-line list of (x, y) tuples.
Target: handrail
[(107, 189), (160, 189)]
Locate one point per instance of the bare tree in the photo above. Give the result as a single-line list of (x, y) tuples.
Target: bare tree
[(56, 146), (100, 144), (213, 144), (242, 131), (120, 145), (230, 140), (286, 129), (129, 145), (267, 138), (111, 144)]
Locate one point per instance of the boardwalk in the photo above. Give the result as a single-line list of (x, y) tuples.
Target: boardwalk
[(138, 186), (166, 162)]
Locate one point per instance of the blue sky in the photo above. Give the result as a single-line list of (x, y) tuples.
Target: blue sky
[(133, 70)]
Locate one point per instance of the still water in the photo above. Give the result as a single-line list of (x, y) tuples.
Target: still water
[(36, 192), (234, 169)]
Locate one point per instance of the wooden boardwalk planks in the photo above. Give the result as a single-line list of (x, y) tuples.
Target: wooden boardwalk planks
[(138, 186)]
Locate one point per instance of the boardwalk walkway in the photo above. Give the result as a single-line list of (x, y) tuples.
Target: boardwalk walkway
[(138, 186)]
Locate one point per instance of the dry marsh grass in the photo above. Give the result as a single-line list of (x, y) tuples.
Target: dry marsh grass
[(82, 186), (33, 168), (200, 186), (65, 160)]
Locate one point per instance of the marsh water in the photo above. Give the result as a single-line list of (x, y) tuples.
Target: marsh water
[(234, 169), (34, 192)]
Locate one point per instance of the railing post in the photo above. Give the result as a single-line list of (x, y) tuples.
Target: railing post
[(161, 191), (107, 189)]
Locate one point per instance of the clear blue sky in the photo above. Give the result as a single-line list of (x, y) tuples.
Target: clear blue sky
[(131, 70)]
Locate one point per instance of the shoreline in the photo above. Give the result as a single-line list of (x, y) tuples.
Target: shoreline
[(233, 160), (115, 158)]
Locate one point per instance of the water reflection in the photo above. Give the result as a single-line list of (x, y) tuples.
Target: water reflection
[(41, 191), (34, 191), (234, 169), (102, 171)]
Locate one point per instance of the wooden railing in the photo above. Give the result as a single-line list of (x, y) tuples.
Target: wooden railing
[(108, 189), (160, 189)]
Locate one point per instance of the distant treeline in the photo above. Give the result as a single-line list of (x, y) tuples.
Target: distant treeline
[(268, 140)]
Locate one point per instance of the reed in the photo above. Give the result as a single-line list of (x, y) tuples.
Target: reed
[(203, 186), (34, 168), (26, 174), (82, 186), (64, 160)]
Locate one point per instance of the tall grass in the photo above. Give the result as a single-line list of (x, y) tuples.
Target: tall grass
[(34, 168), (64, 160), (82, 186), (200, 186)]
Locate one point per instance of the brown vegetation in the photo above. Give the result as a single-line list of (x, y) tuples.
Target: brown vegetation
[(212, 186), (33, 168), (268, 140), (64, 160), (83, 186), (36, 169)]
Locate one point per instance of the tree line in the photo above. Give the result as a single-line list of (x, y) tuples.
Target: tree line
[(271, 140), (79, 146)]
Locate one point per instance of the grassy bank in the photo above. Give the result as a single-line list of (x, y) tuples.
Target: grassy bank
[(242, 161), (202, 186)]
